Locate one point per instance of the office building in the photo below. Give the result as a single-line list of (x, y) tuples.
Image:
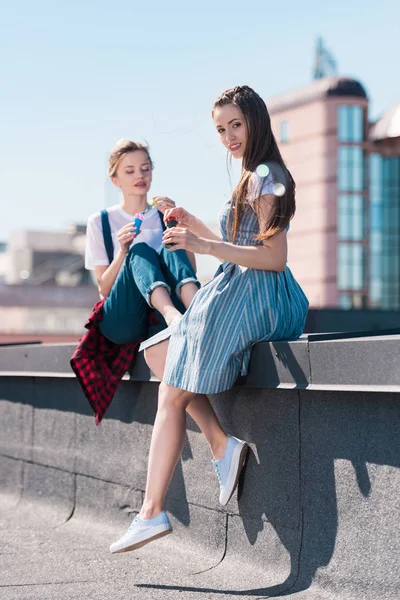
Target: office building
[(345, 238)]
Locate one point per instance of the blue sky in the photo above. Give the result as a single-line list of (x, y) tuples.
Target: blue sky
[(76, 76)]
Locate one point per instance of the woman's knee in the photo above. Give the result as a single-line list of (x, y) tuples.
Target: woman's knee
[(141, 249), (155, 357), (172, 397)]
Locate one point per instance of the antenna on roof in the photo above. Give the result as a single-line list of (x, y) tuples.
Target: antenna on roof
[(325, 64)]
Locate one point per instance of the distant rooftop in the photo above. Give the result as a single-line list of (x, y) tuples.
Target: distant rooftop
[(388, 126), (321, 88)]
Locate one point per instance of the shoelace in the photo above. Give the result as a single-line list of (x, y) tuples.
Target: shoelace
[(134, 522), (216, 467)]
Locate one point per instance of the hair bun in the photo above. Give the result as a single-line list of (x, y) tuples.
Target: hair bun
[(121, 143)]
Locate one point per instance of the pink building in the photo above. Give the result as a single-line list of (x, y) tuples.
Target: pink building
[(329, 146)]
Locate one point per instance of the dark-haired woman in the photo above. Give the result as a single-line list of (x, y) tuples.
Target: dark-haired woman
[(253, 297)]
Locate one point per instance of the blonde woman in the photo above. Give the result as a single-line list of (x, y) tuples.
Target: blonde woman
[(139, 274)]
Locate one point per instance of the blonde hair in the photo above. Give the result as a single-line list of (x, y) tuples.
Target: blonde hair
[(121, 148)]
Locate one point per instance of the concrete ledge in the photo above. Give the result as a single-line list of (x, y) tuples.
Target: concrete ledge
[(370, 361), (317, 506), (301, 364)]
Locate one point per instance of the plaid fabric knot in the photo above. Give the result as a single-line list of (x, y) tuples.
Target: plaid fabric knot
[(100, 364)]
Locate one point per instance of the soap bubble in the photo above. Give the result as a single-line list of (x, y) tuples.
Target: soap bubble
[(279, 189), (262, 170)]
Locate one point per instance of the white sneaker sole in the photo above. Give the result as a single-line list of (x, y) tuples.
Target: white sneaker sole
[(142, 540), (238, 460)]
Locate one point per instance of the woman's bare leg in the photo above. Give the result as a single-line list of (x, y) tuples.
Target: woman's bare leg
[(199, 406), (188, 292), (166, 447), (161, 300)]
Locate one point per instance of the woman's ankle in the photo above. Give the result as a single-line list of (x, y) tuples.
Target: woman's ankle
[(218, 448), (148, 511), (171, 313)]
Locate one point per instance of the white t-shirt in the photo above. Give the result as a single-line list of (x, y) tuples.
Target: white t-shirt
[(258, 186), (151, 233)]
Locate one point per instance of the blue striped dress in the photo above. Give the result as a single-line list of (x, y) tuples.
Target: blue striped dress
[(236, 309)]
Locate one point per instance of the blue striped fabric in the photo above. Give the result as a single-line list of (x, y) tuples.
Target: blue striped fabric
[(236, 309)]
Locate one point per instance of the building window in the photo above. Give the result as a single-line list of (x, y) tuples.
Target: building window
[(384, 263), (350, 169), (375, 290), (284, 131), (351, 217), (351, 208), (351, 266), (345, 301), (348, 301), (350, 124)]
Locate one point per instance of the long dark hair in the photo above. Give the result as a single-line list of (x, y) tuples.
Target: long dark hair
[(261, 148)]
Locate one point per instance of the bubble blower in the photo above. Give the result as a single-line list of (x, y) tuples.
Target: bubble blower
[(137, 222), (171, 222)]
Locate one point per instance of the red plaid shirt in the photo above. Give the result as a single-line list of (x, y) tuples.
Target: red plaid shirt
[(99, 364)]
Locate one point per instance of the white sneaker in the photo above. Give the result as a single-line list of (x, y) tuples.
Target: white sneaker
[(141, 532), (230, 466)]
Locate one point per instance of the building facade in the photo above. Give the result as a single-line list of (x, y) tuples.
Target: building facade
[(345, 239), (45, 291)]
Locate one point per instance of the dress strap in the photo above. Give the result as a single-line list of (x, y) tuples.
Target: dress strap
[(108, 242)]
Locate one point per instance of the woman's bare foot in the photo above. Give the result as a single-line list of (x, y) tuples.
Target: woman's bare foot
[(171, 315)]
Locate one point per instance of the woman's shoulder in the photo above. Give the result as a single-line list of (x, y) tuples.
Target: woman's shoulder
[(262, 182), (95, 218), (259, 185)]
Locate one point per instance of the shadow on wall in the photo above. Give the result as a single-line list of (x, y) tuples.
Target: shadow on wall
[(304, 442)]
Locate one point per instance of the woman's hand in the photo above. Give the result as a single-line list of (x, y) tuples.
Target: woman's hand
[(181, 215), (125, 236), (184, 239), (163, 203)]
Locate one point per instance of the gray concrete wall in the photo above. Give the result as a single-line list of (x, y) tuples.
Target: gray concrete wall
[(317, 508)]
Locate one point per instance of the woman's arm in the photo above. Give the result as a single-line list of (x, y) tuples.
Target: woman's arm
[(165, 205), (271, 256), (106, 276), (189, 221), (201, 229)]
